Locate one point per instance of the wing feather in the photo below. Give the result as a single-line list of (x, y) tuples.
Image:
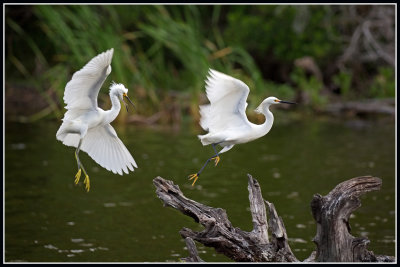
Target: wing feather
[(82, 90), (227, 107), (106, 151), (103, 146)]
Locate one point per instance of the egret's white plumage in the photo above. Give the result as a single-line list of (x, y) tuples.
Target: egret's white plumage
[(86, 126), (225, 117)]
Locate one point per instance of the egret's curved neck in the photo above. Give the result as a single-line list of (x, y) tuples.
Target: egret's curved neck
[(269, 120), (116, 107)]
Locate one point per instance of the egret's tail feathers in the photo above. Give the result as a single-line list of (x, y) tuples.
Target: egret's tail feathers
[(209, 139), (68, 133), (61, 133), (203, 139), (226, 148)]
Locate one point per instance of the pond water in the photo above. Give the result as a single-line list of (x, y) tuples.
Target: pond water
[(50, 219)]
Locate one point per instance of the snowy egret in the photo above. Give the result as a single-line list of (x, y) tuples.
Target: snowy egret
[(86, 126), (225, 117)]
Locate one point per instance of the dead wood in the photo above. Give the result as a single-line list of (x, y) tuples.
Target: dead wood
[(333, 239), (332, 212), (219, 232), (193, 254), (372, 106)]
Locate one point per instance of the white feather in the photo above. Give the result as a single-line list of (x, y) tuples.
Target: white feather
[(227, 108), (82, 90), (225, 117), (85, 121), (104, 146)]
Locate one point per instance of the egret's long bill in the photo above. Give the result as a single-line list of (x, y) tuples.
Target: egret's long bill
[(286, 102), (126, 105)]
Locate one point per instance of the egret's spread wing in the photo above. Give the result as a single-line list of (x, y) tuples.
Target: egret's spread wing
[(227, 107), (82, 90), (104, 146)]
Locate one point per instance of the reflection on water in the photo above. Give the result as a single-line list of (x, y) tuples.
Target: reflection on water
[(49, 219)]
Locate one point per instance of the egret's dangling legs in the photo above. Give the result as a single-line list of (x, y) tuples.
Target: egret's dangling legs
[(216, 157), (80, 166)]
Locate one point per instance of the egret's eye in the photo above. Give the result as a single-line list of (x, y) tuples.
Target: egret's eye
[(277, 100), (124, 94)]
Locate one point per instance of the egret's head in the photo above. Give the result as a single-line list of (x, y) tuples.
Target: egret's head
[(118, 89), (121, 92), (270, 101), (273, 100)]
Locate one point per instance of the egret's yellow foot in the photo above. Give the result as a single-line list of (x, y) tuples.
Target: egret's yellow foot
[(78, 176), (216, 160), (87, 183), (194, 176)]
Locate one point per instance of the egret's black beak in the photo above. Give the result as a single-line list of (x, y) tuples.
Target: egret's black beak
[(126, 105), (286, 102)]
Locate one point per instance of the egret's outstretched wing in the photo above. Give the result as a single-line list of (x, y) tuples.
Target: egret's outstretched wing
[(227, 107), (82, 90), (104, 146)]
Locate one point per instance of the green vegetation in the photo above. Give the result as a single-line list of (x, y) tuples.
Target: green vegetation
[(162, 53), (286, 32), (343, 81), (384, 83), (310, 86)]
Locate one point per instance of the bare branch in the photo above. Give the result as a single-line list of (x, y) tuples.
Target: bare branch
[(219, 232), (193, 254)]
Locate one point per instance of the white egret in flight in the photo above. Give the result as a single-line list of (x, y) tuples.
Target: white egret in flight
[(225, 117), (86, 126)]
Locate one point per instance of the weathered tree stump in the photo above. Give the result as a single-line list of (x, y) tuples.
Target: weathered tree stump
[(332, 212)]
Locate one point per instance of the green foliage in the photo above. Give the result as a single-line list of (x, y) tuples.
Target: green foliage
[(71, 35), (31, 77), (78, 32), (289, 32), (383, 84), (164, 50), (311, 86), (176, 46), (343, 81), (284, 91)]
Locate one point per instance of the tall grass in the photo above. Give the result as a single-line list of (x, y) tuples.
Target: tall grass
[(162, 53), (158, 51), (179, 37)]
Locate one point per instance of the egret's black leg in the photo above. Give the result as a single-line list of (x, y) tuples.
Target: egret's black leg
[(195, 176), (78, 174), (215, 150), (216, 156), (80, 166)]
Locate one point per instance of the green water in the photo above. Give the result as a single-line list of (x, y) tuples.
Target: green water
[(49, 219)]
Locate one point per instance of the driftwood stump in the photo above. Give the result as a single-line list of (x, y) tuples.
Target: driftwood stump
[(333, 239), (332, 212)]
